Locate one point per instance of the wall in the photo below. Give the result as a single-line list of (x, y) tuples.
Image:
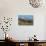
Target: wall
[(12, 8)]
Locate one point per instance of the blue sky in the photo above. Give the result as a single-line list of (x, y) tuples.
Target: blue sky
[(27, 17)]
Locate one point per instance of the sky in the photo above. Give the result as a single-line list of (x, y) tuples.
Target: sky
[(26, 17)]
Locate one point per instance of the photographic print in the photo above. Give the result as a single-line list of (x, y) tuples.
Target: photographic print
[(25, 20)]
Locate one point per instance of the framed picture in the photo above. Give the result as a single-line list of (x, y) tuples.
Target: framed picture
[(25, 20)]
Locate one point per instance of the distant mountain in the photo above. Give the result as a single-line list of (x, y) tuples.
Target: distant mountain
[(26, 19)]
